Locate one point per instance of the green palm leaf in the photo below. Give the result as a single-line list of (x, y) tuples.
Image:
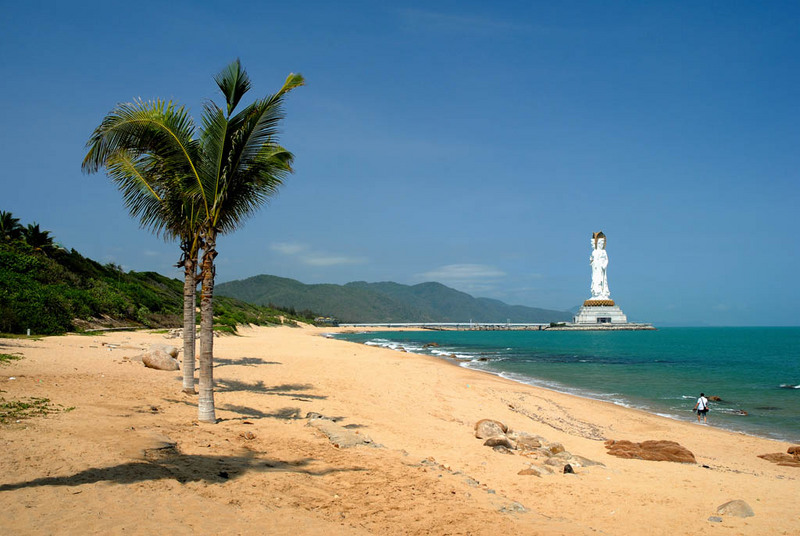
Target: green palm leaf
[(233, 82)]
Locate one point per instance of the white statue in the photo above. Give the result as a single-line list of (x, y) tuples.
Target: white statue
[(599, 260)]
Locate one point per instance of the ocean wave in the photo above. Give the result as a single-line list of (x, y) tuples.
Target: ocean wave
[(391, 345), (789, 386)]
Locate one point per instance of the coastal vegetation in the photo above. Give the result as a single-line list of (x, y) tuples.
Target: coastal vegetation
[(53, 291), (193, 184), (7, 358), (16, 410)]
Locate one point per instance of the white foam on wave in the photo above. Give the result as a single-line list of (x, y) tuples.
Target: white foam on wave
[(615, 398), (384, 343), (667, 415), (416, 348)]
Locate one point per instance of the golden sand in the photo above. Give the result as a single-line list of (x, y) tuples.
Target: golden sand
[(131, 459)]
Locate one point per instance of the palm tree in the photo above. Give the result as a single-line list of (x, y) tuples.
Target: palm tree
[(153, 184), (243, 167), (214, 181), (10, 229), (37, 239)]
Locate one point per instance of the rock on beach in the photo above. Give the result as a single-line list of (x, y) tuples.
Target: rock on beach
[(161, 357), (666, 451)]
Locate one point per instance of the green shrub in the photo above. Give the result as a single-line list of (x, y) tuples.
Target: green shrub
[(44, 294)]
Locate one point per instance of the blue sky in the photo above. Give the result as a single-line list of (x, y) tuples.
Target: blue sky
[(470, 143)]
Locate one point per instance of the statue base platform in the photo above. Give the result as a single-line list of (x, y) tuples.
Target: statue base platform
[(598, 302), (593, 314)]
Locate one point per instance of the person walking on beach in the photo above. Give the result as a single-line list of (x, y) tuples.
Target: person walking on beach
[(701, 408)]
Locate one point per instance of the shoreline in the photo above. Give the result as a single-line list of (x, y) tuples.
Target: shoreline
[(133, 439), (558, 387)]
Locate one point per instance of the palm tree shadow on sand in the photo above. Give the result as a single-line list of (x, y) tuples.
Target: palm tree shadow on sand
[(287, 389), (248, 412), (167, 463), (243, 362)]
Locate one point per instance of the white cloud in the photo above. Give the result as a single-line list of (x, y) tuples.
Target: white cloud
[(306, 255), (474, 279), (463, 273), (318, 259), (288, 248)]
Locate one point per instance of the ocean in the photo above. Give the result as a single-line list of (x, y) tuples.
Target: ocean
[(755, 371)]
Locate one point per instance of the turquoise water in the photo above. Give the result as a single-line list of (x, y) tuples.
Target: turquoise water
[(753, 370)]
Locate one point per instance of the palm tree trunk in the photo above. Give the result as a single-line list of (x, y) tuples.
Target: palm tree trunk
[(205, 402), (189, 300)]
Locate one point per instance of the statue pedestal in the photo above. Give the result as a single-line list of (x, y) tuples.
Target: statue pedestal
[(600, 312)]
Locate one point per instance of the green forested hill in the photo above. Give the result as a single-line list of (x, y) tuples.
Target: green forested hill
[(383, 302), (57, 291)]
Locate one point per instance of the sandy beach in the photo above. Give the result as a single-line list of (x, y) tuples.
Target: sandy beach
[(129, 457)]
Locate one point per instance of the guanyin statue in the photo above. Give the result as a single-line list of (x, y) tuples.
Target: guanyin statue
[(599, 260)]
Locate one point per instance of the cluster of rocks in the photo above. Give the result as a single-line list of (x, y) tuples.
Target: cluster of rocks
[(740, 412), (657, 451), (546, 457), (175, 333), (790, 459)]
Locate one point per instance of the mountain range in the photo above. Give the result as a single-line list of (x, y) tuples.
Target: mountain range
[(362, 302)]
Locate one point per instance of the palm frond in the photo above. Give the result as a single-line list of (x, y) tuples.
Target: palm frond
[(254, 187), (137, 178), (294, 80), (215, 145), (257, 126), (157, 127), (234, 83), (10, 228)]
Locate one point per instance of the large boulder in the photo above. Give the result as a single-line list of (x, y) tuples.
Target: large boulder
[(737, 508), (161, 357), (666, 451), (786, 460), (486, 428)]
